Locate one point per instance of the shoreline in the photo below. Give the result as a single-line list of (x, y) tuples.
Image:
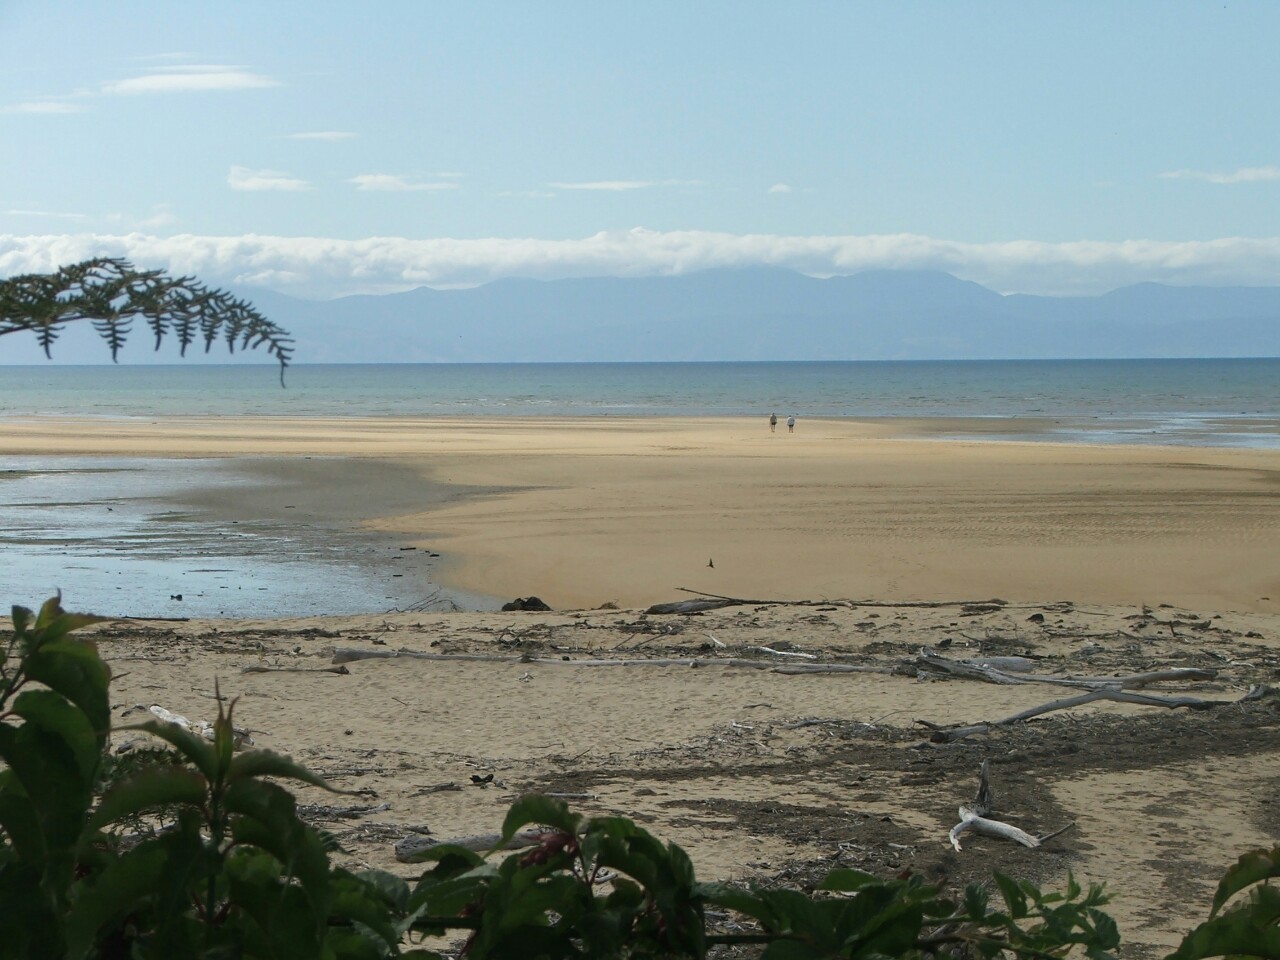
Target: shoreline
[(588, 511)]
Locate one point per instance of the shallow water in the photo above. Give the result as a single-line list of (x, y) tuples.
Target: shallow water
[(111, 534)]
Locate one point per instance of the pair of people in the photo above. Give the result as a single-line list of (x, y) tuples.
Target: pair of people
[(773, 423)]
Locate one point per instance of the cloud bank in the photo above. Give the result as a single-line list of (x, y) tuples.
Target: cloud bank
[(327, 267)]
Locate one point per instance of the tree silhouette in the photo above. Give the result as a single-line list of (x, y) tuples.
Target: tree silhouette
[(112, 295)]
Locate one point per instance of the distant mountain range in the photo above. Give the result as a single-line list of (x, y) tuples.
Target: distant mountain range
[(757, 314)]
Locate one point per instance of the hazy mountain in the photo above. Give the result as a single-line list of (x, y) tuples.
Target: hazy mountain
[(759, 314), (764, 314)]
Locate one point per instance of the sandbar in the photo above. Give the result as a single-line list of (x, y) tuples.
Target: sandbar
[(586, 511)]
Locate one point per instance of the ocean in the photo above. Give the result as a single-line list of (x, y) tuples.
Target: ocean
[(111, 533), (1219, 402)]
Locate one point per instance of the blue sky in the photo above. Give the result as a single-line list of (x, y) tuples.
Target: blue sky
[(323, 148)]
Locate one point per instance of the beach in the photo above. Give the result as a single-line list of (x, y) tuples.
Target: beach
[(850, 542), (584, 511)]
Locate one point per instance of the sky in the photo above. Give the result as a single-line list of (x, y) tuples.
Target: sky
[(327, 148)]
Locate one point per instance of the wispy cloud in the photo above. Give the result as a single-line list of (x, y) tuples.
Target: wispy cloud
[(621, 185), (780, 188), (46, 106), (52, 214), (161, 217), (242, 178), (324, 266), (395, 184), (322, 135), (1242, 175), (617, 185), (190, 78)]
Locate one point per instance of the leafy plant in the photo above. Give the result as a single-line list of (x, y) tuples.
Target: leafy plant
[(1249, 927), (238, 874), (544, 903), (232, 871), (112, 294)]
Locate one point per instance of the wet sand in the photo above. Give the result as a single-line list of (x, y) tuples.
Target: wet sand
[(586, 511)]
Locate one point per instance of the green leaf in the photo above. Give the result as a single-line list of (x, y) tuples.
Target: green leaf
[(152, 787), (747, 902), (1233, 934), (1013, 895), (389, 887), (195, 750), (265, 763), (540, 810), (74, 669), (362, 902), (62, 722), (792, 950), (846, 881), (448, 898), (21, 617), (1254, 867), (19, 821), (118, 891), (45, 766), (29, 926), (50, 610), (224, 738), (975, 901), (268, 819)]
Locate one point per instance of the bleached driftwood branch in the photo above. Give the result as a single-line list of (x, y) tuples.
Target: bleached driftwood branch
[(1011, 670), (947, 735), (975, 818)]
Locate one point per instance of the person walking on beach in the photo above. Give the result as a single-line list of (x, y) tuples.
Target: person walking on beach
[(773, 422), (791, 424)]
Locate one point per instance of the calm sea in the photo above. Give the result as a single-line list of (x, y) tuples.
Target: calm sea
[(1165, 401), (113, 534)]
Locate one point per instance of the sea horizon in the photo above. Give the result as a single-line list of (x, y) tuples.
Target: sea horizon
[(1200, 401)]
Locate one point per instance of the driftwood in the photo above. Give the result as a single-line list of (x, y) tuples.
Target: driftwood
[(949, 735), (976, 818), (994, 604), (414, 849), (1010, 670), (348, 654), (341, 671), (786, 653), (692, 606), (435, 788), (317, 811)]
